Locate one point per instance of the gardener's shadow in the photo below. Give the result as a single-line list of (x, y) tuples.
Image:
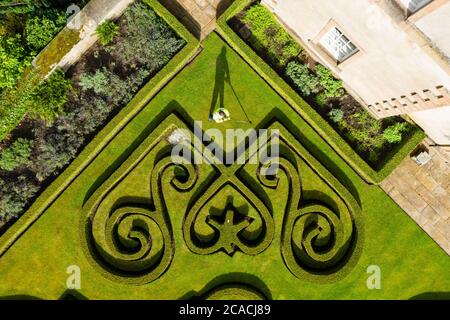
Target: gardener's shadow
[(222, 75)]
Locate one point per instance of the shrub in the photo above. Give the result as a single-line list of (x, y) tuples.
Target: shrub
[(107, 31), (40, 30), (15, 195), (322, 100), (10, 24), (302, 78), (13, 6), (336, 115), (269, 37), (28, 6), (149, 41), (97, 82), (13, 60), (57, 149), (50, 96), (333, 88), (393, 134), (365, 133), (15, 102), (16, 155)]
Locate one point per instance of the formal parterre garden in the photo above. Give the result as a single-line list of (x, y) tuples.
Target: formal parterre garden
[(140, 225)]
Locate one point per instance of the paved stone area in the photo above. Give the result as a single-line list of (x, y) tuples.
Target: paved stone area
[(199, 16), (424, 193)]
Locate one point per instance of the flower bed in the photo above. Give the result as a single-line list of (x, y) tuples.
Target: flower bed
[(372, 139), (25, 30), (103, 81)]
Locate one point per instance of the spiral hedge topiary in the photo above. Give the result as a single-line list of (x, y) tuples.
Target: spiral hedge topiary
[(130, 235)]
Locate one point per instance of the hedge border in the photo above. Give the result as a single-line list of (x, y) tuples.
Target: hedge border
[(318, 123), (241, 290), (110, 131)]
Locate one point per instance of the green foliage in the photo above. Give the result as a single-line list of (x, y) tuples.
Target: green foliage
[(14, 6), (107, 31), (16, 155), (40, 99), (364, 131), (50, 96), (15, 195), (268, 36), (306, 82), (333, 88), (13, 60), (41, 29), (11, 24), (87, 111), (30, 33), (149, 41), (322, 100), (336, 115), (31, 6), (15, 102), (394, 133), (97, 82)]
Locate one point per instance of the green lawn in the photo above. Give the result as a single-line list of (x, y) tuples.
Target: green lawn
[(35, 265)]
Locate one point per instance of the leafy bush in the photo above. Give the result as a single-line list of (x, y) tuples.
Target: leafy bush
[(336, 115), (10, 24), (107, 31), (16, 155), (24, 6), (27, 6), (50, 96), (97, 82), (394, 133), (40, 30), (149, 41), (306, 82), (333, 88), (13, 60), (269, 37), (33, 6), (364, 131), (322, 100), (15, 195), (14, 103)]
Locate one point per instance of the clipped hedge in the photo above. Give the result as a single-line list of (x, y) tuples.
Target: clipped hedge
[(338, 228), (235, 291), (307, 112), (111, 130), (115, 238), (339, 224), (211, 235)]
